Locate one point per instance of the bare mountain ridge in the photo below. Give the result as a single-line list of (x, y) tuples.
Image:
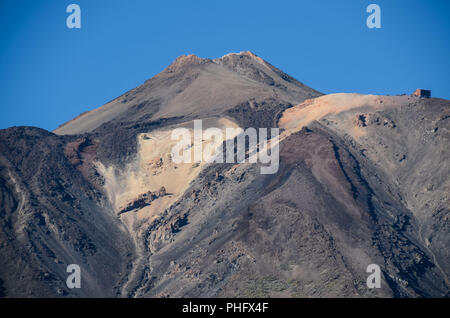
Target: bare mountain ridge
[(356, 185), (192, 86)]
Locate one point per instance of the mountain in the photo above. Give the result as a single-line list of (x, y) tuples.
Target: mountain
[(362, 179), (193, 87)]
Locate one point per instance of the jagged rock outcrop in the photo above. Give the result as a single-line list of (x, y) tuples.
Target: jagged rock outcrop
[(143, 200)]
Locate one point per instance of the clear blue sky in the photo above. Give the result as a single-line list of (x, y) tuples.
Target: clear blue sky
[(49, 73)]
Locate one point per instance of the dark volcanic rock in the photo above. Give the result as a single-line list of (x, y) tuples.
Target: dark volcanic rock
[(51, 216)]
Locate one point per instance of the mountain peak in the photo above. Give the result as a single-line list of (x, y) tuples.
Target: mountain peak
[(184, 61), (243, 54), (194, 86)]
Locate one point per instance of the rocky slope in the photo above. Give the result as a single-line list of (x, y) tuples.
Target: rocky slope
[(362, 179)]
